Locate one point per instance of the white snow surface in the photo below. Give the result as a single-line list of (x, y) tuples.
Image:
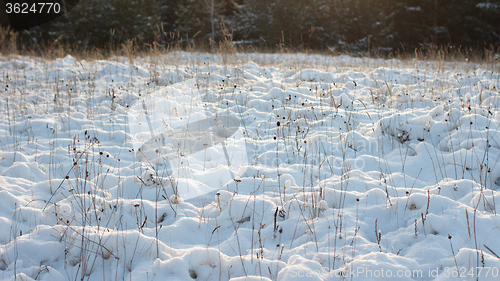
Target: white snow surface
[(379, 170)]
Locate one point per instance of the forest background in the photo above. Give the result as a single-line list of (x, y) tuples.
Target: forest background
[(349, 26)]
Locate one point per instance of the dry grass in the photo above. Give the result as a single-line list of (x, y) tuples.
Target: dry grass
[(10, 44)]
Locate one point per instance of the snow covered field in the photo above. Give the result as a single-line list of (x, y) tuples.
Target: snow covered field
[(249, 167)]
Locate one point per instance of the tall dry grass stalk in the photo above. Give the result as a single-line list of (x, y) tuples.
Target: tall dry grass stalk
[(8, 41)]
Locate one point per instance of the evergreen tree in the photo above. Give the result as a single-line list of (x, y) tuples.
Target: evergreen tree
[(275, 21), (441, 22), (475, 23), (407, 23), (103, 22), (166, 10), (327, 19), (203, 18)]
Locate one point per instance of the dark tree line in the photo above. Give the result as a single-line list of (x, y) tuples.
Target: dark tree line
[(357, 25)]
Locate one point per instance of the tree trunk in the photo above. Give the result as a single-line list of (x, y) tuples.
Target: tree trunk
[(213, 24), (435, 22)]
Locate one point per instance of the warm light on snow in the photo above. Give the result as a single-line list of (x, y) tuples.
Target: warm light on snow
[(188, 166)]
